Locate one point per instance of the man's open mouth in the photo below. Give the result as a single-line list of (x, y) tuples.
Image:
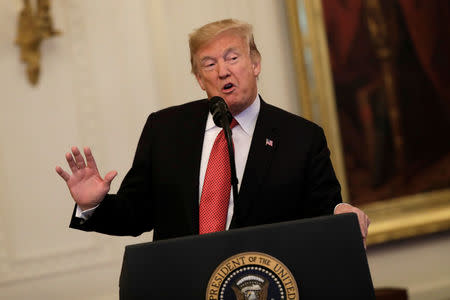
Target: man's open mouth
[(227, 86)]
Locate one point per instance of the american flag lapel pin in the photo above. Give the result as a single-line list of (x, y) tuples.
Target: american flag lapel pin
[(269, 142)]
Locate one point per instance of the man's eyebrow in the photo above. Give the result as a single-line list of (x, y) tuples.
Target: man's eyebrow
[(229, 50), (206, 58)]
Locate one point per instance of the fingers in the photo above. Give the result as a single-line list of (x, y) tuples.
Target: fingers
[(62, 173), (363, 222), (367, 222), (363, 219), (110, 176), (79, 160), (71, 162), (90, 158), (76, 160), (81, 172)]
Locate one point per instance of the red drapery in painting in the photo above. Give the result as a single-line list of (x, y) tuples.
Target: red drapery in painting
[(428, 24), (422, 67)]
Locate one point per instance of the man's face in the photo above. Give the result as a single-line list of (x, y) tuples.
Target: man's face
[(225, 69)]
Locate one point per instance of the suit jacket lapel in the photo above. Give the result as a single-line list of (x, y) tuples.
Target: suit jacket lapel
[(192, 153), (263, 145)]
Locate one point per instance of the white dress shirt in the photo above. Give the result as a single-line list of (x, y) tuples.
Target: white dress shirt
[(242, 138)]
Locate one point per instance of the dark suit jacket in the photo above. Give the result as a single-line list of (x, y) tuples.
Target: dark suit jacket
[(290, 180)]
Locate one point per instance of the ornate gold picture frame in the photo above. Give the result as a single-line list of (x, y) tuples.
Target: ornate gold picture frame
[(394, 218)]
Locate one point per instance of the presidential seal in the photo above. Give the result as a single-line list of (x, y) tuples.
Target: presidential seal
[(252, 276)]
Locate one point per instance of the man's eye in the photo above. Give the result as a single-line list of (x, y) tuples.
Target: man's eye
[(231, 58)]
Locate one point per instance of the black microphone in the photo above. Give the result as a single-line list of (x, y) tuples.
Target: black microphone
[(222, 118), (219, 111)]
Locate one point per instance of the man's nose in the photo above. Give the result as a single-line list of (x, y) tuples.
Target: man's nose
[(223, 70)]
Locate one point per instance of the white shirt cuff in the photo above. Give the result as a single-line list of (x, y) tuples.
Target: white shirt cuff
[(84, 214)]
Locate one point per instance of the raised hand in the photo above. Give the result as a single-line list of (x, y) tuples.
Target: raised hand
[(85, 184)]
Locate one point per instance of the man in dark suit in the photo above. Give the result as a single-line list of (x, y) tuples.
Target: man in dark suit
[(282, 160)]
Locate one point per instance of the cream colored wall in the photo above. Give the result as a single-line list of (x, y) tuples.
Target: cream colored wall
[(116, 62), (422, 265)]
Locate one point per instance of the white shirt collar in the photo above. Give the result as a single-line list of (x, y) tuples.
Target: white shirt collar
[(246, 118)]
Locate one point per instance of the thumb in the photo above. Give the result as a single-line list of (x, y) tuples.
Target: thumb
[(109, 177)]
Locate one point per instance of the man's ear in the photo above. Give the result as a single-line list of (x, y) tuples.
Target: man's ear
[(256, 64), (200, 81)]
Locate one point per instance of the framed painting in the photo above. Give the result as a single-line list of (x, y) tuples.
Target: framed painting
[(374, 74)]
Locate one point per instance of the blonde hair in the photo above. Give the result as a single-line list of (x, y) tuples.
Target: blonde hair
[(201, 36)]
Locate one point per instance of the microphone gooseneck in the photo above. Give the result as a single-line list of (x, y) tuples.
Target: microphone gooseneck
[(222, 118)]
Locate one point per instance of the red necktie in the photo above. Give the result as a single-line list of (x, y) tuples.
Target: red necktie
[(216, 187)]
